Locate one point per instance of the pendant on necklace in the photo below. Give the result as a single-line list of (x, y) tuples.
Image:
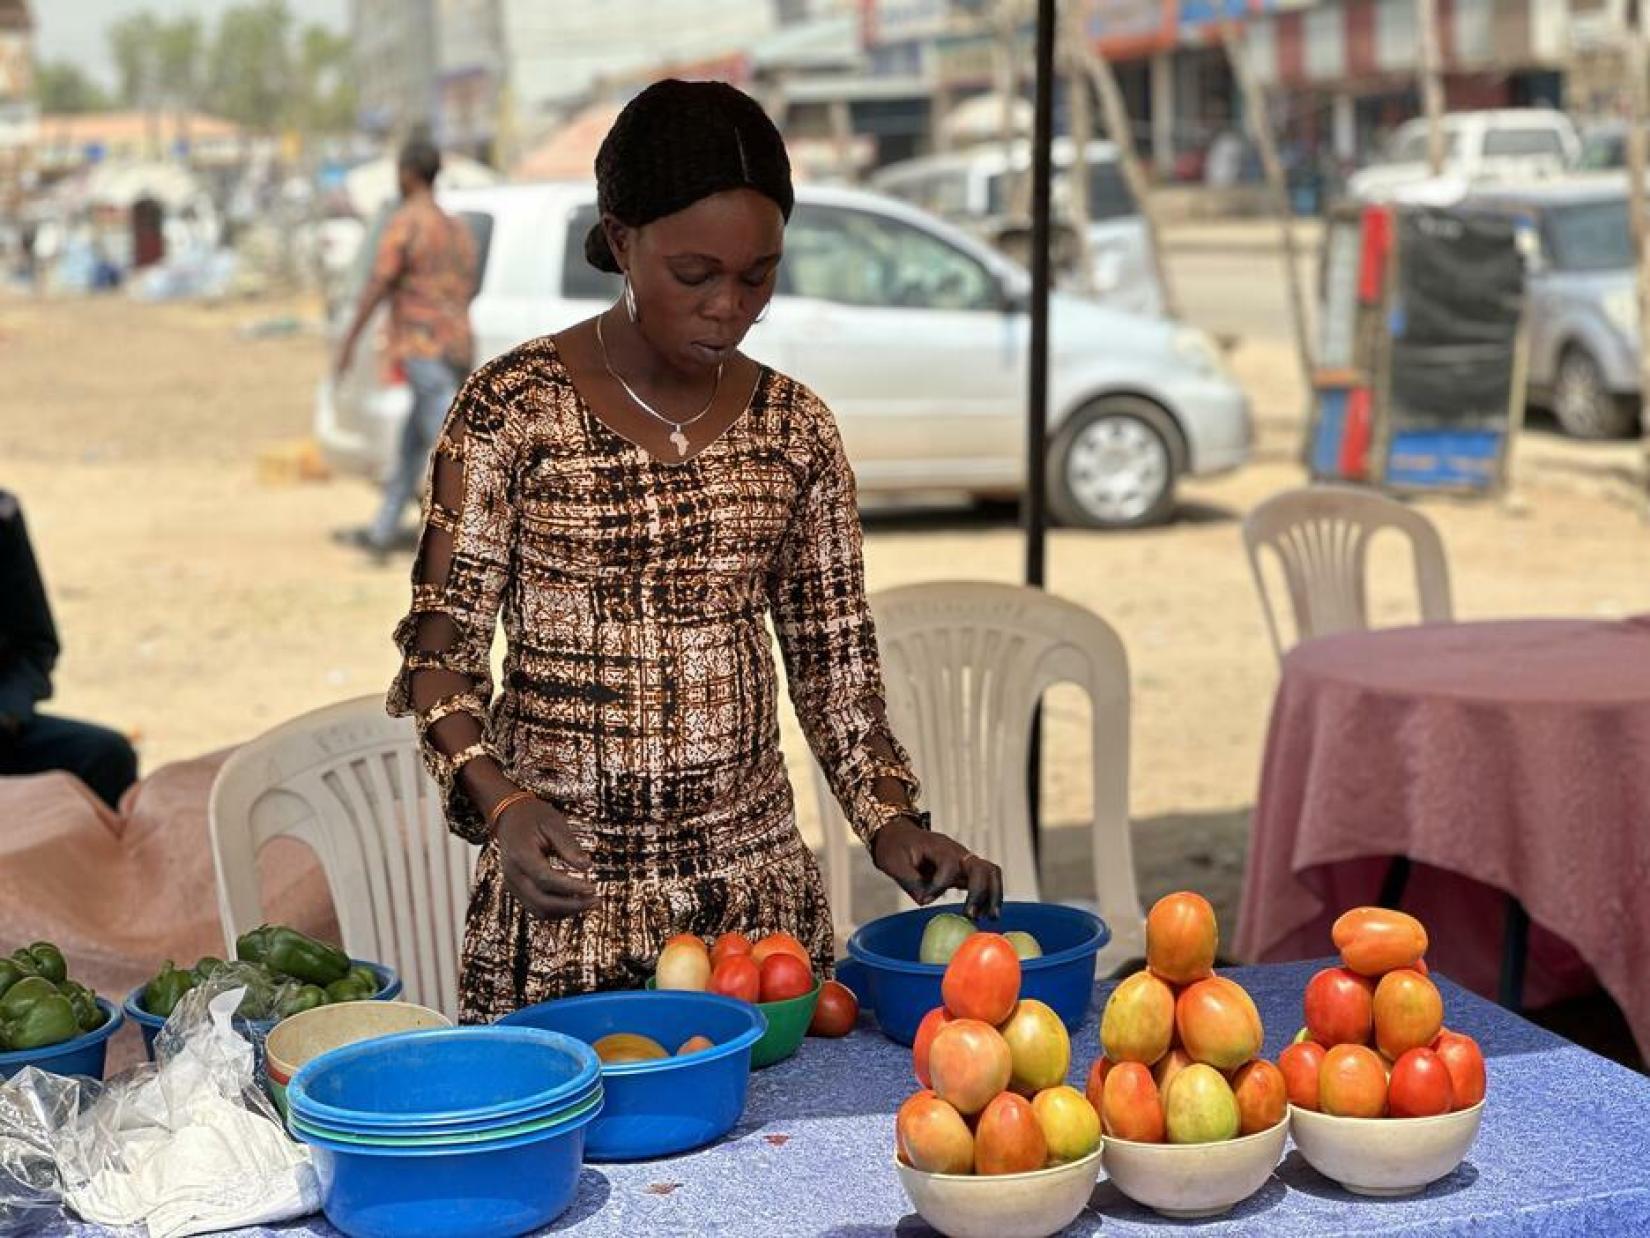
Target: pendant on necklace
[(680, 440)]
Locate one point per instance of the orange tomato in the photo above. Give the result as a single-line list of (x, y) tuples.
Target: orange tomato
[(1409, 1012), (1352, 1082), (1130, 1106), (837, 1012), (1262, 1096), (1094, 1088), (1420, 1086), (739, 977), (687, 939), (784, 976), (1181, 938), (779, 943), (1376, 940), (982, 981)]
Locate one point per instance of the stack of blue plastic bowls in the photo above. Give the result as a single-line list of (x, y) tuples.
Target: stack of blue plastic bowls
[(459, 1132)]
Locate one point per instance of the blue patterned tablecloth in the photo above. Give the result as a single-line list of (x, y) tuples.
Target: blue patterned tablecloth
[(1564, 1149)]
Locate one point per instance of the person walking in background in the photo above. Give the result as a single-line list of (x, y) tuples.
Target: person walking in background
[(30, 742), (426, 267)]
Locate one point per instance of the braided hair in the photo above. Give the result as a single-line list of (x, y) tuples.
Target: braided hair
[(677, 143)]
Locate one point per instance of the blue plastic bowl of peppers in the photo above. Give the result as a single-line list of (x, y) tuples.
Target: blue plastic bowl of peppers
[(49, 1020), (289, 972)]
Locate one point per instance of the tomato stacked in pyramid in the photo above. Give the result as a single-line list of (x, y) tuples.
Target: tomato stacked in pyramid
[(992, 1066)]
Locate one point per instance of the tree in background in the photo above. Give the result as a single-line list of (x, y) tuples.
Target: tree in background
[(250, 78), (62, 87)]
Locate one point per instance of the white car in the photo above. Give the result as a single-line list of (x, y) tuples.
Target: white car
[(1508, 144), (914, 333), (971, 189)]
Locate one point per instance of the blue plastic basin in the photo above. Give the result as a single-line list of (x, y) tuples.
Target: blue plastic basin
[(389, 988), (901, 990), (377, 1127), (84, 1055), (514, 1186), (410, 1080), (670, 1105)]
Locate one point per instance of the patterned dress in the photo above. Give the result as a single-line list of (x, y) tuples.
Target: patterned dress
[(639, 691)]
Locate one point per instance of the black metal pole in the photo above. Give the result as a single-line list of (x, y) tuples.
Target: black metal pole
[(1035, 514)]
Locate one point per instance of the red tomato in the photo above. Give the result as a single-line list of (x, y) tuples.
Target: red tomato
[(737, 977), (1340, 1007), (1420, 1086), (780, 943), (930, 1026), (1300, 1064), (1465, 1063), (837, 1012), (785, 976), (727, 946), (982, 981)]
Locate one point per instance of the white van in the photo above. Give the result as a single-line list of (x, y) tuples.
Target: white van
[(915, 334), (971, 189), (1507, 145)]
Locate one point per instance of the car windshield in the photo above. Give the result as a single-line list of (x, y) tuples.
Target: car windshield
[(1411, 146), (1591, 236), (1604, 151), (1108, 192)]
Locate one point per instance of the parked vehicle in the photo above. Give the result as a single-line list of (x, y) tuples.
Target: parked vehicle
[(1582, 307), (1508, 145), (915, 333), (971, 189)]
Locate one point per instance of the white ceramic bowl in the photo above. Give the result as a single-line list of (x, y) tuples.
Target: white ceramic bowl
[(1194, 1179), (1031, 1205), (1385, 1156)]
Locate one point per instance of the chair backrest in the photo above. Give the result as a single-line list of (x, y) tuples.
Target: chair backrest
[(1321, 537), (966, 664), (348, 781)]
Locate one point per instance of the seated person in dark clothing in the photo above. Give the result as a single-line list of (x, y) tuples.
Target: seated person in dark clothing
[(30, 742)]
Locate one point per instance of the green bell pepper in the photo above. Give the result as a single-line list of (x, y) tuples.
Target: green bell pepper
[(206, 967), (44, 1018), (10, 974), (47, 960), (293, 954), (351, 989), (87, 1013), (161, 994), (304, 997)]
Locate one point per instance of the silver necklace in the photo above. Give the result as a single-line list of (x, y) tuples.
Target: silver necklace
[(677, 438)]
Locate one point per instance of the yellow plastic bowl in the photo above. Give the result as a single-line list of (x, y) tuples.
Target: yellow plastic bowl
[(294, 1041)]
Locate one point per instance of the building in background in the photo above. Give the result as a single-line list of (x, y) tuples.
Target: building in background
[(394, 46), (472, 99), (18, 116)]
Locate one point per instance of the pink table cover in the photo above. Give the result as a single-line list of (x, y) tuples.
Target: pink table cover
[(1500, 757)]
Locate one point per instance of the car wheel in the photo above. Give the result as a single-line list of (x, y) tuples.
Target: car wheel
[(1114, 465), (1584, 406)]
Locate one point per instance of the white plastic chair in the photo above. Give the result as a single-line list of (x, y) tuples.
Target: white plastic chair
[(966, 664), (347, 780), (1321, 537)]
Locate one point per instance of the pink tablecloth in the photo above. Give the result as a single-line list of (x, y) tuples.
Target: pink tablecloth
[(1500, 757)]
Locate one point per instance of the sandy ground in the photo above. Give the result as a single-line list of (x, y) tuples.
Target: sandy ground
[(199, 606)]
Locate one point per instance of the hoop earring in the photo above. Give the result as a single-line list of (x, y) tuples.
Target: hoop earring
[(630, 308), (763, 316)]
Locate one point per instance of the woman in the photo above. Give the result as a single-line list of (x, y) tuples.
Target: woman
[(636, 494)]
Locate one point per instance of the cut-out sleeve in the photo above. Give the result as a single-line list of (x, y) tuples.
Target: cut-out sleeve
[(445, 681), (826, 635)]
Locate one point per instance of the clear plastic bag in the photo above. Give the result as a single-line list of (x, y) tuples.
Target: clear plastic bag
[(185, 1145)]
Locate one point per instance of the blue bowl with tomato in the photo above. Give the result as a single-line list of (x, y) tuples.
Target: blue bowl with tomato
[(667, 1105), (899, 990)]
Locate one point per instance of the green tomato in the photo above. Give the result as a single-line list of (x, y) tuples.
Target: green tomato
[(1025, 945), (941, 937)]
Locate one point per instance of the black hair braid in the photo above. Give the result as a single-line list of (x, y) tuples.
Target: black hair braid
[(678, 143)]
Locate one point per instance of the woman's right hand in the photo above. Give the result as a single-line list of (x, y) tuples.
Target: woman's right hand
[(542, 862)]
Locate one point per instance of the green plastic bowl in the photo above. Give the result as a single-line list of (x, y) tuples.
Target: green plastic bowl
[(300, 1128), (787, 1025)]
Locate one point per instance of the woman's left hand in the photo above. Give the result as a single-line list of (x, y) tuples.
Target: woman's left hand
[(926, 865)]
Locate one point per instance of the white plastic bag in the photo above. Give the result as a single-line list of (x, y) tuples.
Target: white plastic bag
[(187, 1145)]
